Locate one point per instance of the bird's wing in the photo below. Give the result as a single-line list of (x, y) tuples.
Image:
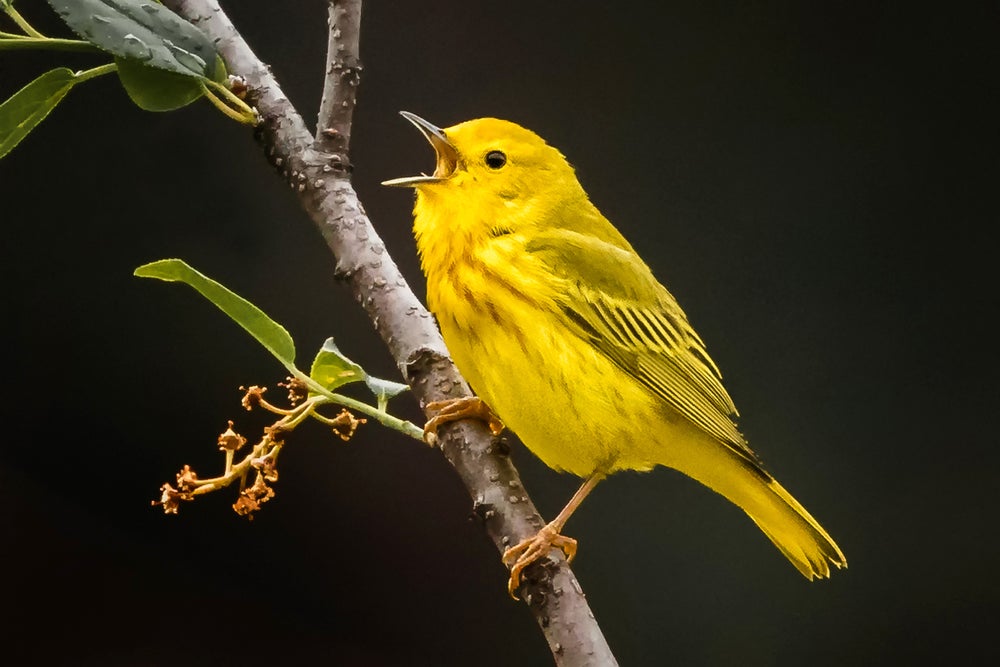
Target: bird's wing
[(610, 298)]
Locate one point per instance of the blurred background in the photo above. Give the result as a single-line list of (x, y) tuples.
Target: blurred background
[(816, 183)]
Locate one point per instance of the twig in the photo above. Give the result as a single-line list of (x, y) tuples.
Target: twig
[(319, 173), (343, 74), (10, 42), (21, 22)]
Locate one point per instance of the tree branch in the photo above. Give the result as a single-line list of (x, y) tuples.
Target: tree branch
[(318, 171), (343, 73)]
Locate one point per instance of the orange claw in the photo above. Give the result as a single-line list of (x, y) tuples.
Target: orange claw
[(532, 549), (535, 548), (454, 409)]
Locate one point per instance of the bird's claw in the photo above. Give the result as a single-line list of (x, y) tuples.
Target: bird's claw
[(532, 549), (454, 409)]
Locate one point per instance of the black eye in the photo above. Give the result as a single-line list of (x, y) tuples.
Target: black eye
[(495, 159)]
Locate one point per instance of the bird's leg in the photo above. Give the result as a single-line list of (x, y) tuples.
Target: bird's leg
[(538, 546), (454, 409)]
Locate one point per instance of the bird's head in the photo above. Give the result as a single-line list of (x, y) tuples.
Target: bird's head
[(493, 170)]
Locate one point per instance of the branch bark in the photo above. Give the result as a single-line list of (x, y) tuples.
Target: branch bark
[(318, 171), (343, 74)]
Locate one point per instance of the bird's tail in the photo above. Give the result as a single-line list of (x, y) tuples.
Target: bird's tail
[(796, 533), (792, 529)]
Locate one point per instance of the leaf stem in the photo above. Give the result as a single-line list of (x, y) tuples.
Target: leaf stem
[(384, 418), (12, 42), (21, 22), (243, 112), (83, 75)]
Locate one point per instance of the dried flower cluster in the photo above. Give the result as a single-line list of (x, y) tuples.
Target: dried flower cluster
[(262, 460), (345, 424), (251, 498), (230, 440)]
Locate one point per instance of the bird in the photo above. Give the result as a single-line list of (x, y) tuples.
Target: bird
[(566, 338)]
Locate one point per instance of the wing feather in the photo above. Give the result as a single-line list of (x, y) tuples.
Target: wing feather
[(610, 298)]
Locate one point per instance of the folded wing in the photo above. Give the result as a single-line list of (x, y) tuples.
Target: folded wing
[(610, 298)]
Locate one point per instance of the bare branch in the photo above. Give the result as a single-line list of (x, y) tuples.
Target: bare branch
[(318, 172), (343, 73)]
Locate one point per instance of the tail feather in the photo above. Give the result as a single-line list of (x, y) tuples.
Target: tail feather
[(782, 518), (797, 534)]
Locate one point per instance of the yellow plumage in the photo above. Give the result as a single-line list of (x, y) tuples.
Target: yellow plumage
[(563, 331)]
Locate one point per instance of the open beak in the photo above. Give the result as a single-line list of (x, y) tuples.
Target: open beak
[(447, 156)]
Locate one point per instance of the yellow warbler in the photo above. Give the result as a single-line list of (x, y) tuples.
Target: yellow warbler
[(562, 330)]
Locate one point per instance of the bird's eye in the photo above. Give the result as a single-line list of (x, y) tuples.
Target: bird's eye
[(495, 159)]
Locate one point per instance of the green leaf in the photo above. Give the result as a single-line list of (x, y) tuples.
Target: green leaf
[(29, 106), (221, 73), (268, 333), (144, 31), (156, 89), (384, 389), (332, 369)]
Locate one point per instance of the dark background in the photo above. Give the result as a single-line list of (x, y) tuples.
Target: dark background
[(815, 182)]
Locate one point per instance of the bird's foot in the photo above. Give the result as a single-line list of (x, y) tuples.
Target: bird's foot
[(532, 549), (454, 409)]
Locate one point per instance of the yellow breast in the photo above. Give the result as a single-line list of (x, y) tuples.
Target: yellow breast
[(570, 405)]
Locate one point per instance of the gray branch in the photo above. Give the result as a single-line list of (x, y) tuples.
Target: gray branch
[(318, 171), (343, 73)]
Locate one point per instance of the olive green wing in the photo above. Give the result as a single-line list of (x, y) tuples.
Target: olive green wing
[(610, 298)]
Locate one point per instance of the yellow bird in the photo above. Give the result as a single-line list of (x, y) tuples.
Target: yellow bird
[(565, 335)]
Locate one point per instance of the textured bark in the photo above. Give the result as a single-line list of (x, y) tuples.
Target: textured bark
[(318, 171)]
